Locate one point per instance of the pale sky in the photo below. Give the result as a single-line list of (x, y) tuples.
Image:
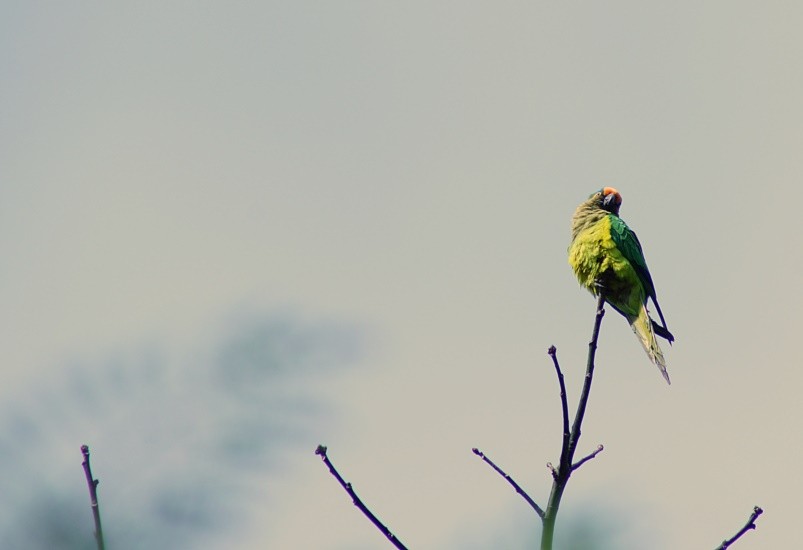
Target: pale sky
[(233, 231)]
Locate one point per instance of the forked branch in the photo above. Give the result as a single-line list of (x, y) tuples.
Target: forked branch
[(563, 472), (570, 438)]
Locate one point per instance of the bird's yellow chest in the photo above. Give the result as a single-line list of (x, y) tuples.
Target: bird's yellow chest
[(594, 256)]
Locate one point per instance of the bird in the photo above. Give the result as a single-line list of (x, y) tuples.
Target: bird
[(606, 257)]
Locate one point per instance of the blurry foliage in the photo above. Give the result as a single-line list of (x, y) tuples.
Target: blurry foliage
[(177, 444)]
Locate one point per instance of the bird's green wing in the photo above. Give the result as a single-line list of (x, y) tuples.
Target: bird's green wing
[(628, 244)]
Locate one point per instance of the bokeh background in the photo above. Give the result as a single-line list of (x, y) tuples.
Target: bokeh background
[(232, 231)]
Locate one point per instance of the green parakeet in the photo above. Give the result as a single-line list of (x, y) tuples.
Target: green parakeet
[(606, 257)]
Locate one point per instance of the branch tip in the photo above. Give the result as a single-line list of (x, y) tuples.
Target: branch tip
[(585, 459), (564, 405), (512, 482), (92, 483), (750, 525)]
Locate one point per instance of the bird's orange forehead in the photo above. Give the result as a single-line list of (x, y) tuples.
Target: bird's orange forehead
[(611, 191)]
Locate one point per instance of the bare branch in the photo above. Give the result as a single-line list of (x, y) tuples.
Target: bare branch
[(512, 481), (751, 524), (93, 497), (564, 470), (553, 353), (321, 450), (585, 459)]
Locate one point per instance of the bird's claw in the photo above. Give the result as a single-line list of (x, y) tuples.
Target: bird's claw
[(598, 287)]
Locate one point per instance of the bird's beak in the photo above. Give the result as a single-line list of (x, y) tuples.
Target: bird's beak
[(612, 200)]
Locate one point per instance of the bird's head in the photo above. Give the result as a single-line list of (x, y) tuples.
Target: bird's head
[(598, 206), (608, 199)]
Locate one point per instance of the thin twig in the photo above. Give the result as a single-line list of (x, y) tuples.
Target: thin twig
[(321, 450), (510, 480), (751, 524), (553, 353), (585, 459), (93, 497)]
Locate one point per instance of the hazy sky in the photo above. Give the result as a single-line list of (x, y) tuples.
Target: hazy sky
[(233, 231)]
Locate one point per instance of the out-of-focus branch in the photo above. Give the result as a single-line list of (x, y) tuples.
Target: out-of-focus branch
[(751, 524), (516, 486), (321, 450), (93, 497)]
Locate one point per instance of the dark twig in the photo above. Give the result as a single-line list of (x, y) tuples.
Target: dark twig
[(565, 468), (510, 480), (553, 353), (585, 459), (321, 450), (93, 497), (751, 524)]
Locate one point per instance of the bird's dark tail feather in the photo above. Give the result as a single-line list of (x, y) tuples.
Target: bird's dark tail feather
[(662, 332)]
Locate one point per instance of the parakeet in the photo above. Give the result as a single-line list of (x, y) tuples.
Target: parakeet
[(606, 257)]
